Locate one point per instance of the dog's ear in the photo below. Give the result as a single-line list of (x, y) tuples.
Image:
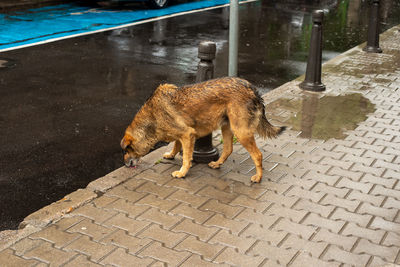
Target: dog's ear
[(126, 141)]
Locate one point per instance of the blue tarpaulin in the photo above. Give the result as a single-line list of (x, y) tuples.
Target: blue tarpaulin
[(54, 22)]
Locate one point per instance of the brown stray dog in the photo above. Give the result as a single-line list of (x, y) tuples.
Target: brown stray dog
[(182, 114)]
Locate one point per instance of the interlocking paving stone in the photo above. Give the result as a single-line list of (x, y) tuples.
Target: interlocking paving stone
[(25, 245), (196, 260), (168, 238), (304, 231), (308, 205), (381, 223), (388, 214), (392, 203), (155, 202), (348, 204), (67, 222), (7, 256), (156, 216), (249, 215), (93, 213), (225, 238), (123, 222), (161, 253), (56, 236), (335, 253), (330, 224), (82, 260), (202, 232), (207, 250), (120, 257), (311, 247), (245, 201), (387, 253), (199, 216), (339, 190), (124, 206), (366, 198), (190, 199), (212, 192), (344, 215), (259, 232), (121, 238), (88, 227), (90, 248), (47, 253), (292, 214), (220, 221), (280, 255), (321, 177), (121, 192), (305, 259), (230, 256), (343, 241), (226, 210), (284, 200), (365, 233)]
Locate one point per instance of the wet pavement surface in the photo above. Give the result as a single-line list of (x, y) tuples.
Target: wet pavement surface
[(321, 202), (323, 117), (65, 105)]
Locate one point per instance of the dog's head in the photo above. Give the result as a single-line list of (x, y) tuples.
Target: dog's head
[(131, 155)]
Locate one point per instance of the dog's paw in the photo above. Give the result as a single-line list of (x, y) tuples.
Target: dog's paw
[(168, 156), (178, 174), (256, 178), (214, 165)]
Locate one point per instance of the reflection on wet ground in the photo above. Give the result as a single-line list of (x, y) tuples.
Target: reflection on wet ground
[(322, 117), (65, 105)]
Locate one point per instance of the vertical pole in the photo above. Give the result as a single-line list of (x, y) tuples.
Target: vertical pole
[(373, 29), (204, 152), (233, 37), (312, 81)]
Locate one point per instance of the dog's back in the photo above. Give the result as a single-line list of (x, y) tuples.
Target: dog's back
[(207, 105)]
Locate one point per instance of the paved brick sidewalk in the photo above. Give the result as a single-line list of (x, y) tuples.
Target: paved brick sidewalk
[(321, 203)]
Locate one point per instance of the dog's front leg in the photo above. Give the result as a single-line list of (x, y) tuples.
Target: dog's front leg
[(177, 148), (187, 142)]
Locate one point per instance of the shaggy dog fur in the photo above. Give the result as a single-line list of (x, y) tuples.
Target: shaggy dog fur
[(182, 114)]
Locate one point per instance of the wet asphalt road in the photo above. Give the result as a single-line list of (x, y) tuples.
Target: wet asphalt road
[(64, 105)]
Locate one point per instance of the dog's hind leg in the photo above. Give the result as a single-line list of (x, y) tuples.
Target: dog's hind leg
[(175, 150), (187, 142), (249, 143), (244, 128), (227, 137)]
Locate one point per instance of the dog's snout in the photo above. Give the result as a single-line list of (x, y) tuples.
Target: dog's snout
[(130, 162)]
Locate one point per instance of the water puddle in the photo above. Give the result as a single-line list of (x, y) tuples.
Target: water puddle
[(323, 117), (6, 63)]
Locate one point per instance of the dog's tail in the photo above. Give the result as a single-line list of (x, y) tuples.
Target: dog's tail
[(266, 129)]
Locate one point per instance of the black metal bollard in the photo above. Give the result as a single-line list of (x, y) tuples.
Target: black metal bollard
[(312, 81), (373, 29), (204, 152)]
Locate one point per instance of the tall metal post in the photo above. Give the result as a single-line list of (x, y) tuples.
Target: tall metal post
[(312, 81), (204, 152), (233, 37), (373, 29)]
